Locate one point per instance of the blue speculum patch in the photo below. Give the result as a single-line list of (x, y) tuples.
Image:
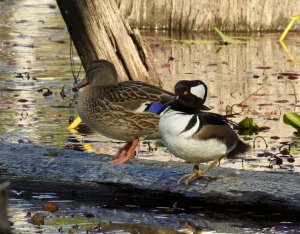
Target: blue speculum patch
[(156, 107)]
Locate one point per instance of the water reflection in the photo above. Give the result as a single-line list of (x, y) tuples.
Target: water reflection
[(259, 74), (34, 41), (102, 218)]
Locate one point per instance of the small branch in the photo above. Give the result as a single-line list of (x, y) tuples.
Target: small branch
[(261, 138)]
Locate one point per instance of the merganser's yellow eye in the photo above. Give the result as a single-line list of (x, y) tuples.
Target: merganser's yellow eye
[(185, 92)]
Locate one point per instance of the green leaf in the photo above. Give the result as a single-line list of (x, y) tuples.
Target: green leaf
[(246, 124), (292, 119), (248, 127), (224, 40)]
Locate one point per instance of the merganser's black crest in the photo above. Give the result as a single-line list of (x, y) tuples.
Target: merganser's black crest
[(190, 96)]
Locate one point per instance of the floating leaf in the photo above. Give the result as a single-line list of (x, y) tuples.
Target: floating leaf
[(89, 214), (278, 160), (50, 207), (263, 67), (265, 154), (275, 137), (291, 159), (171, 58), (288, 74), (292, 77), (22, 100), (38, 219), (281, 101), (292, 119)]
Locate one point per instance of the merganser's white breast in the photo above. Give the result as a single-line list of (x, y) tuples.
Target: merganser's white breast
[(177, 129)]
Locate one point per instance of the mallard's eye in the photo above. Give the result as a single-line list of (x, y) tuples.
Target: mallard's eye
[(185, 92)]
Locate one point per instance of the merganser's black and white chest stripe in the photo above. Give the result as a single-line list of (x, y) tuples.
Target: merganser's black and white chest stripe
[(193, 135)]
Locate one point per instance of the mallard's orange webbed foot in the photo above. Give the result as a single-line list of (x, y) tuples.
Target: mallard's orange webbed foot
[(126, 152)]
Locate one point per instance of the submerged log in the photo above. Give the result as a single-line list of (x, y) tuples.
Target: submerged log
[(99, 32), (203, 15), (89, 176), (4, 192)]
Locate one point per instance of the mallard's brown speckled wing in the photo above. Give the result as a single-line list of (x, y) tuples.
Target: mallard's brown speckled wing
[(134, 95)]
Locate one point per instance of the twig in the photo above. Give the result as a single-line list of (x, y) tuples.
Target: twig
[(252, 94), (261, 138)]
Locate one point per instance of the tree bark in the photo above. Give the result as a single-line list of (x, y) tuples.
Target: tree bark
[(89, 176), (203, 15), (99, 32), (4, 192)]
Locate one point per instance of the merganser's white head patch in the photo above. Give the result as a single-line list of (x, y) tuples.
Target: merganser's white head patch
[(199, 91)]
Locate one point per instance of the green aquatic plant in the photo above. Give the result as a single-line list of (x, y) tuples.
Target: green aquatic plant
[(224, 39), (248, 127), (292, 119)]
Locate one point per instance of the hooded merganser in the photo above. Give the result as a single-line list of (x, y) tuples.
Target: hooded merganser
[(194, 135)]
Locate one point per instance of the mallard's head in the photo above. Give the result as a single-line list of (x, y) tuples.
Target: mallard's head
[(99, 73)]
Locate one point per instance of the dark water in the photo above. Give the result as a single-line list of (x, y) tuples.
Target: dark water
[(36, 103)]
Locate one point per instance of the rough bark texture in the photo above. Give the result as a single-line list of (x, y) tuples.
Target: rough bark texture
[(203, 15), (37, 168), (4, 191), (98, 31)]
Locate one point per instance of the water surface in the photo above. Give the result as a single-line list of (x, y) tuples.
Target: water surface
[(259, 77)]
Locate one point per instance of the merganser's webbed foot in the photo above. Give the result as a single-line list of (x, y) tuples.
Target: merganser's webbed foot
[(213, 163), (197, 172)]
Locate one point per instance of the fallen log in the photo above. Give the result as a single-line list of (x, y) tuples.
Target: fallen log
[(99, 32), (89, 176)]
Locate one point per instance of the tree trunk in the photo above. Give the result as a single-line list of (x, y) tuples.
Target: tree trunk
[(90, 176), (203, 15), (99, 32), (4, 192)]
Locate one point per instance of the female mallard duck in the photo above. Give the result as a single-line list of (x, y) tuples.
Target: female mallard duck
[(197, 136), (119, 110)]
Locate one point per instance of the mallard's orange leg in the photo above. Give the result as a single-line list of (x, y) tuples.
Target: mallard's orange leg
[(122, 151), (126, 152), (198, 172)]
